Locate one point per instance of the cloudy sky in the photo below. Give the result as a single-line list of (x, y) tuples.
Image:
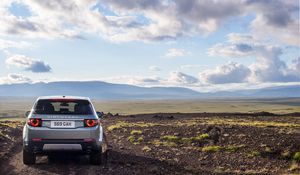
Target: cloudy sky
[(201, 44)]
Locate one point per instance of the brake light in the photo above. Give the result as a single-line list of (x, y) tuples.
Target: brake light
[(90, 122), (35, 122), (88, 140), (36, 139), (62, 100)]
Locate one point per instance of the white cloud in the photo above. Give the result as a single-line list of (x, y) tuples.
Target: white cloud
[(268, 66), (134, 80), (174, 78), (270, 22), (229, 73), (294, 67), (154, 68), (27, 64), (238, 45), (272, 69), (177, 53), (5, 44), (235, 50), (180, 78), (148, 20), (14, 78), (240, 38)]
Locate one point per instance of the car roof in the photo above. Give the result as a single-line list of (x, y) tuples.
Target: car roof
[(63, 97)]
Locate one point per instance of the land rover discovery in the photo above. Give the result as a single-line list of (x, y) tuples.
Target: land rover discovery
[(60, 124)]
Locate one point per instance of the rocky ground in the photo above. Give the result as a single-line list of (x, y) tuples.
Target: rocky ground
[(203, 143)]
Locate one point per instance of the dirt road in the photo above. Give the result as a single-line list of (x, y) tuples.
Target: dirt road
[(174, 144)]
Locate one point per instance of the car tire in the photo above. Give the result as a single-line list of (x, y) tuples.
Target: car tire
[(28, 157), (96, 157)]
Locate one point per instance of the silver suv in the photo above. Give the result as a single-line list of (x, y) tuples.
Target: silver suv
[(62, 123)]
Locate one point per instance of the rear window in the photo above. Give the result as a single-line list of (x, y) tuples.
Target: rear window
[(63, 106)]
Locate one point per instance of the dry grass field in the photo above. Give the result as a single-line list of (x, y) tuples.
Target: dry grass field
[(211, 136), (16, 107), (199, 143)]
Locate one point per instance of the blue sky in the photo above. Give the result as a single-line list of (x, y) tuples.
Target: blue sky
[(203, 45)]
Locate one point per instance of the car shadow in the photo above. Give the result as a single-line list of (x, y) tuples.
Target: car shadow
[(117, 163)]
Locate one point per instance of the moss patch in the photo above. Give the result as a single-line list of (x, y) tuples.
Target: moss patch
[(296, 157), (211, 148), (136, 132)]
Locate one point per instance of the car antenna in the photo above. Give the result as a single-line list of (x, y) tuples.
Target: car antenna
[(64, 96)]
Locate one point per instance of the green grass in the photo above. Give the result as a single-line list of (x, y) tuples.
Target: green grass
[(200, 121), (140, 139), (285, 154), (247, 122), (157, 142), (176, 139), (296, 157), (136, 132), (203, 136), (123, 124), (131, 139), (211, 148), (253, 154), (146, 149), (135, 140), (192, 106), (228, 148), (170, 138), (233, 148), (5, 135), (293, 167), (16, 107)]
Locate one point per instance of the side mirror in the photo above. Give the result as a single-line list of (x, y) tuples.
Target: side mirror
[(27, 113), (100, 114)]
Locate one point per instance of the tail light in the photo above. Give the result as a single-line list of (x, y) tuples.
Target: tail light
[(90, 122), (35, 122)]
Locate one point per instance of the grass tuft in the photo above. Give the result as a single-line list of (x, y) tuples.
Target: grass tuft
[(285, 154), (140, 139), (296, 157), (170, 138), (294, 166), (233, 148), (211, 148), (254, 154), (204, 136), (146, 149), (131, 139), (157, 143), (136, 132), (135, 141)]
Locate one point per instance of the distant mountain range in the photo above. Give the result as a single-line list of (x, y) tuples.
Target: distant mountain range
[(103, 90)]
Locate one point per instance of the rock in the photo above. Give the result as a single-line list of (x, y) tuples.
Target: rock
[(170, 117), (157, 116), (176, 134)]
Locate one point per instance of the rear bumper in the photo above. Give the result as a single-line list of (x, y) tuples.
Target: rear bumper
[(42, 140), (45, 146), (30, 132)]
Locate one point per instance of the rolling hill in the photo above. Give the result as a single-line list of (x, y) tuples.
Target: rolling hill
[(104, 90)]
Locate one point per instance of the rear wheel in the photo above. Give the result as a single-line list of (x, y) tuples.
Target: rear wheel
[(96, 157), (28, 157)]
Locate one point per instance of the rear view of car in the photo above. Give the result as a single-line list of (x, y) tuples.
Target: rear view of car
[(60, 124)]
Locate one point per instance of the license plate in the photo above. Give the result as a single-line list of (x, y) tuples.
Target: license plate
[(62, 124)]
